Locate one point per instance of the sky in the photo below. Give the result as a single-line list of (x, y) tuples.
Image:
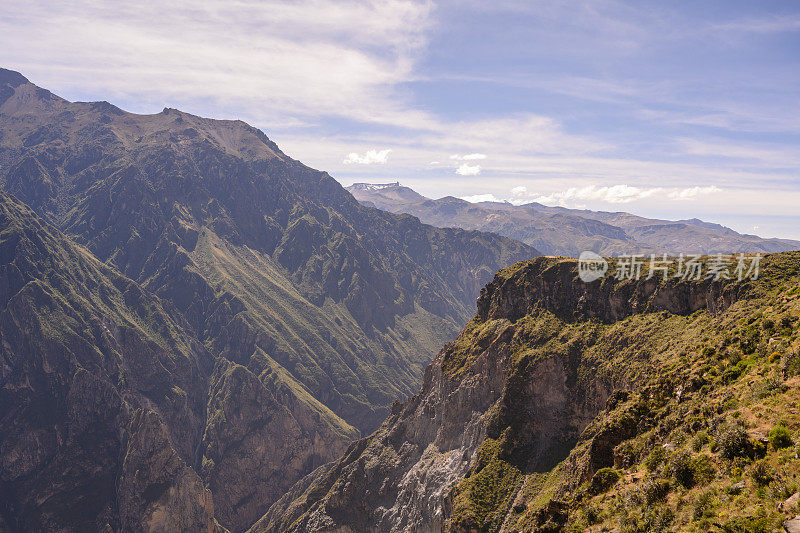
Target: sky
[(664, 109)]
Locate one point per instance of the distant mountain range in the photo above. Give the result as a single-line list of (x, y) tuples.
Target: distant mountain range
[(189, 315), (568, 232)]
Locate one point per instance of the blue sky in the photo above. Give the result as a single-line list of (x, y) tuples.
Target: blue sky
[(665, 109)]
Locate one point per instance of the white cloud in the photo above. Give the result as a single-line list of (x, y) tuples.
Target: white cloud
[(370, 157), (270, 60), (468, 170), (468, 157), (476, 198), (295, 68), (615, 194), (693, 192)]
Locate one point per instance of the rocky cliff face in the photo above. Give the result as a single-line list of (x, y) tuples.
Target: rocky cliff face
[(314, 311), (549, 384), (102, 393)]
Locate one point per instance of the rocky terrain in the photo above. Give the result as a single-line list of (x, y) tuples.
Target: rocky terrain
[(568, 232), (624, 405), (292, 316), (102, 397), (197, 333)]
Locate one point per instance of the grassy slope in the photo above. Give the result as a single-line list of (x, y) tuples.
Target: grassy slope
[(300, 331), (737, 374)]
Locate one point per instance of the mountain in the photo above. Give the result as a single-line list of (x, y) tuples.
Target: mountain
[(307, 313), (102, 397), (627, 405), (568, 232)]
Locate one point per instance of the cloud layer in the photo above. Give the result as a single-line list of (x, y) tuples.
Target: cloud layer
[(655, 106), (577, 197)]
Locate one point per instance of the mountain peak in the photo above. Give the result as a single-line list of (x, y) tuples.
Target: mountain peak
[(375, 186), (12, 78)]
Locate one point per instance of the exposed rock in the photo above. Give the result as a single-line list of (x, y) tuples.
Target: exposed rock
[(790, 502), (792, 525), (158, 491), (549, 381)]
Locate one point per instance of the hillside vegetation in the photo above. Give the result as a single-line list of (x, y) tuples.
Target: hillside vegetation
[(634, 405)]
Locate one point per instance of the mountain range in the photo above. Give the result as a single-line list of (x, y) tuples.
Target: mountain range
[(568, 232), (200, 333), (238, 309)]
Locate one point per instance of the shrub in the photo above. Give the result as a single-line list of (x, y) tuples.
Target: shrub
[(761, 473), (656, 458), (700, 440), (780, 437), (732, 442), (681, 467), (703, 470), (758, 448), (627, 453), (603, 479), (659, 519), (656, 490), (592, 515), (791, 364), (748, 524), (689, 471), (704, 505)]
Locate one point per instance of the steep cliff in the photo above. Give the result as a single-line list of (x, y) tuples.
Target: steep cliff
[(102, 393), (547, 410)]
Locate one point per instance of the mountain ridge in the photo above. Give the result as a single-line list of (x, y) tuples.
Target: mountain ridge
[(564, 231), (320, 311)]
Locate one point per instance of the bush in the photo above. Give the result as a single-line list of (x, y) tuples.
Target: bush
[(659, 519), (592, 515), (656, 458), (704, 505), (749, 524), (791, 364), (689, 471), (732, 442), (761, 473), (681, 467), (603, 479), (703, 470), (780, 437), (656, 490), (700, 440), (758, 448)]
